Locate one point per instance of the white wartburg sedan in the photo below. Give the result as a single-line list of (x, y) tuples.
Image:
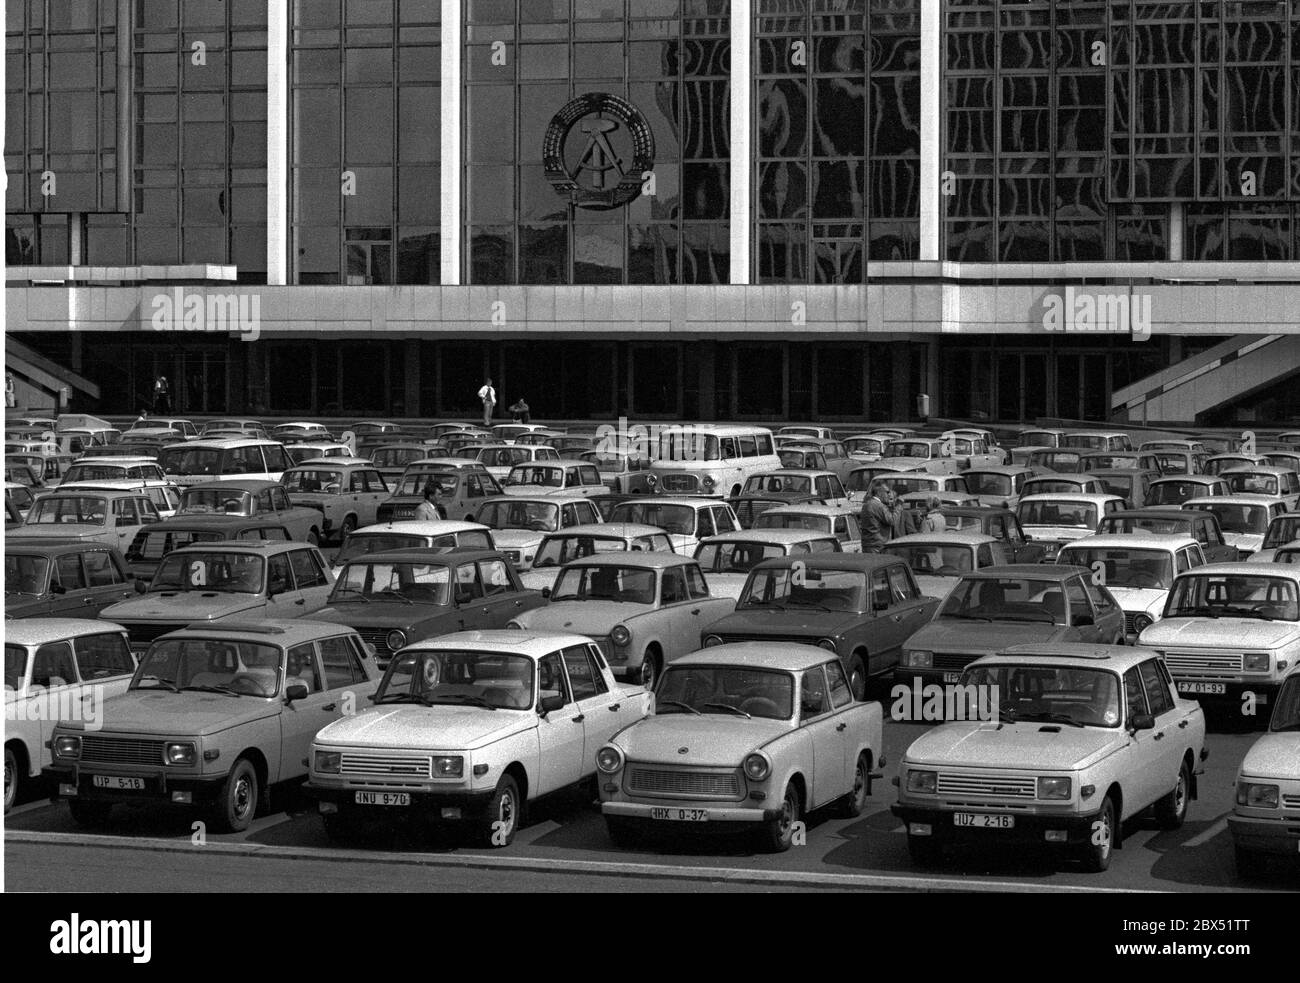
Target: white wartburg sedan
[(1267, 817), (471, 727), (749, 735), (1081, 738)]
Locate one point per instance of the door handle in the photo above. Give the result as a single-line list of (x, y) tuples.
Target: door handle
[(841, 727), (579, 718), (87, 600), (1158, 737), (328, 707), (1182, 724), (695, 611), (613, 707), (301, 601), (519, 604), (898, 617)]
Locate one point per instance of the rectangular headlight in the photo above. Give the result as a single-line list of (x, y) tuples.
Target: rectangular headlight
[(448, 767), (1257, 662), (327, 762), (67, 746), (1257, 796), (180, 753), (1053, 788), (920, 659), (922, 781)]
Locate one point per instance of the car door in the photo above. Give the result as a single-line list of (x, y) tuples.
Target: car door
[(302, 719), (826, 739), (126, 521), (680, 616), (311, 580), (592, 695), (1144, 748), (105, 662), (909, 607), (471, 610), (501, 600), (1214, 547), (841, 694), (1109, 615), (848, 532), (68, 592), (561, 734), (106, 581), (55, 672), (1083, 619), (284, 600), (1166, 745), (887, 632)]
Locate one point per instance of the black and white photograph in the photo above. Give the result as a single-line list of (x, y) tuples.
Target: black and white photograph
[(655, 447)]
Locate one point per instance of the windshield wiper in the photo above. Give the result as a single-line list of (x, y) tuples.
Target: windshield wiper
[(1238, 612), (1061, 718), (677, 703), (478, 701), (210, 689), (401, 698), (1044, 617), (728, 706), (166, 684), (967, 617), (397, 594)]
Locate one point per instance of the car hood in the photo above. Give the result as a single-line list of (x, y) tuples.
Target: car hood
[(435, 728), (188, 606), (387, 614), (1217, 633), (535, 579), (1029, 745), (798, 621), (1063, 534), (162, 712), (983, 636), (727, 584), (583, 617), (65, 530), (1274, 756), (515, 539), (710, 740), (1141, 600), (1245, 541)]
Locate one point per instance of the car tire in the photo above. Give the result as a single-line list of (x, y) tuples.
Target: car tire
[(348, 528), (858, 678), (648, 674), (504, 807), (925, 851), (1250, 866), (12, 778), (90, 815), (853, 804), (622, 833), (1101, 838), (236, 803), (1171, 810), (778, 833)]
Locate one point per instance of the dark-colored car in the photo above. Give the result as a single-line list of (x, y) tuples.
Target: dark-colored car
[(1188, 523), (154, 542), (1002, 524), (863, 606), (46, 579), (404, 596), (254, 499), (1131, 484), (390, 460), (460, 492)]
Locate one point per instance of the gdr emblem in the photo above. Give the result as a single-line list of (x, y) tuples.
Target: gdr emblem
[(598, 150)]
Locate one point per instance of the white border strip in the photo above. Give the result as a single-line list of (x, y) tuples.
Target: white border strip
[(742, 76), (449, 233), (277, 142), (931, 151)]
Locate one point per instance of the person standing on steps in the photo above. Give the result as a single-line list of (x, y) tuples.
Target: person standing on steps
[(519, 411), (162, 402), (488, 395)]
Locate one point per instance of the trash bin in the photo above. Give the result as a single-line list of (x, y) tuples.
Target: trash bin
[(923, 406)]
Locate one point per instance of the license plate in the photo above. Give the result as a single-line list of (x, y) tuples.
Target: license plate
[(983, 820), (118, 782), (1210, 689), (681, 815), (383, 799), (951, 677)]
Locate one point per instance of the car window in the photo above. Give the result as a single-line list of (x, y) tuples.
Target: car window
[(1137, 701), (307, 570), (704, 523), (357, 482), (342, 667), (1157, 689), (984, 555), (813, 701), (729, 451), (695, 583), (568, 516), (244, 460), (102, 569), (276, 459), (265, 503), (880, 597), (1184, 560), (1078, 600), (1100, 598), (901, 585), (467, 581), (550, 678), (590, 476), (279, 578), (841, 528), (841, 695), (723, 521), (674, 586), (495, 576), (53, 665), (68, 572), (300, 667), (103, 656), (279, 500), (585, 679)]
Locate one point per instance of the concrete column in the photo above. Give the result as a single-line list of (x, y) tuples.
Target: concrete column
[(450, 231), (931, 118), (411, 358), (742, 74), (904, 398), (277, 142), (1177, 231), (705, 352)]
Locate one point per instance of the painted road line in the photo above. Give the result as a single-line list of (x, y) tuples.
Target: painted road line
[(611, 868), (1200, 839), (29, 807)]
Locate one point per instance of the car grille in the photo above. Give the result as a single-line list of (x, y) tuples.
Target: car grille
[(675, 782), (384, 766), (988, 786), (729, 637), (123, 750), (1291, 801), (679, 482), (954, 661), (1206, 663), (144, 634), (378, 637)]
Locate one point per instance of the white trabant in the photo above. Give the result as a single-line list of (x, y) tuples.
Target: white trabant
[(752, 733), (56, 668), (1281, 531), (1079, 738), (200, 461), (470, 728), (578, 542), (308, 450), (1138, 571), (435, 535), (96, 469), (1230, 629), (710, 459), (1243, 518), (827, 519), (922, 454), (1061, 518), (165, 496), (686, 520), (939, 559), (726, 559), (1266, 818), (559, 477)]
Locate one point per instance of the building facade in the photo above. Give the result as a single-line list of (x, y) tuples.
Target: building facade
[(714, 209)]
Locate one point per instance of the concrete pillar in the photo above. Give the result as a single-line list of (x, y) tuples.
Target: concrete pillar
[(705, 354), (450, 218), (742, 74), (411, 359), (1177, 231), (931, 150), (277, 142)]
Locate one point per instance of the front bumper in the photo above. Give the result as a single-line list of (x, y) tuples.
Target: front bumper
[(1278, 836), (1233, 690), (729, 813), (72, 781), (1030, 828), (467, 803)]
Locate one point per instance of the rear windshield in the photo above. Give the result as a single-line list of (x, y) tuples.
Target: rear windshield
[(190, 460)]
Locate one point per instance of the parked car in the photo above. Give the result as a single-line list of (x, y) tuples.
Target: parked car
[(89, 516), (1265, 820), (1055, 461), (1098, 440), (973, 452), (97, 469), (756, 735), (164, 495), (1132, 744), (818, 455), (1219, 463), (177, 736), (19, 471), (155, 541), (402, 596), (1070, 484), (392, 460), (19, 496), (234, 424), (917, 482), (727, 559), (298, 431), (800, 432), (1033, 439), (822, 519), (686, 520), (788, 485), (999, 455), (991, 609), (347, 494), (1000, 524), (201, 462), (207, 582), (625, 473), (54, 666), (864, 476), (1137, 570), (471, 729), (254, 499), (1095, 461), (554, 478), (1174, 491), (501, 459), (458, 492), (185, 428), (520, 524), (577, 542), (48, 579), (441, 536), (997, 487), (1281, 483), (312, 450), (1174, 462), (938, 559), (1282, 529), (1056, 519), (644, 610), (922, 454), (1244, 519), (1131, 484), (710, 459)]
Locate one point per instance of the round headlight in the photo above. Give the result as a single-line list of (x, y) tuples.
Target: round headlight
[(828, 644), (652, 479), (708, 481), (609, 759), (620, 635), (395, 640), (757, 767), (1141, 623), (711, 640)]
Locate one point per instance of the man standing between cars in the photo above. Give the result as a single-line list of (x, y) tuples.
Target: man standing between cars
[(877, 518), (489, 397), (428, 510)]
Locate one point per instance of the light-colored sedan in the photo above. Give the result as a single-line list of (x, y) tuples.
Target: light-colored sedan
[(825, 519), (437, 536), (727, 559), (1057, 519), (520, 524), (939, 559), (686, 520), (578, 542), (1266, 819), (1243, 518), (1281, 531)]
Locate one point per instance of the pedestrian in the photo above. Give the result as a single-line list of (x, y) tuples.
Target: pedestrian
[(519, 410), (934, 520), (877, 517), (11, 396), (489, 397), (162, 402), (428, 510), (907, 523)]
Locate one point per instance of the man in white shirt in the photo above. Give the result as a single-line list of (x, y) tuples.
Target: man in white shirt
[(489, 397)]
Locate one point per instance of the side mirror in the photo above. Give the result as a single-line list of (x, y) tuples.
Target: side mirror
[(546, 592), (140, 586), (464, 596), (58, 589), (1141, 721), (1084, 621), (549, 703), (295, 691)]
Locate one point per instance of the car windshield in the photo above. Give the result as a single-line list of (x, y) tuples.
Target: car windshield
[(1058, 461), (1282, 530), (677, 520), (735, 557), (1058, 512), (25, 573), (1233, 595), (536, 475), (95, 472), (1240, 519), (1172, 463), (1083, 440), (1127, 567), (793, 520), (190, 460), (1089, 697), (395, 457), (688, 445), (363, 543), (1046, 486), (907, 448), (635, 585), (519, 514), (59, 509), (1121, 485), (232, 665), (778, 484), (414, 483), (556, 551), (154, 544), (308, 480), (1039, 438), (935, 559), (496, 680), (1007, 599), (724, 690), (1250, 484), (226, 572), (908, 484), (1113, 461), (15, 666), (198, 501), (804, 588), (864, 445), (380, 580), (1115, 524), (986, 483), (1286, 712)]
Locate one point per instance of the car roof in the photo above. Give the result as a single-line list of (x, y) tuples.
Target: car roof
[(659, 560), (239, 484), (39, 631), (560, 499), (123, 460), (274, 631), (1113, 658), (82, 490), (831, 561), (947, 538), (1092, 498), (1242, 498), (266, 546), (1167, 512), (777, 537), (781, 656), (228, 443), (1131, 541), (1269, 469), (216, 520), (532, 643), (1007, 469), (18, 543), (608, 530), (1287, 570), (415, 554), (421, 527), (810, 508), (1201, 479), (667, 500)]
